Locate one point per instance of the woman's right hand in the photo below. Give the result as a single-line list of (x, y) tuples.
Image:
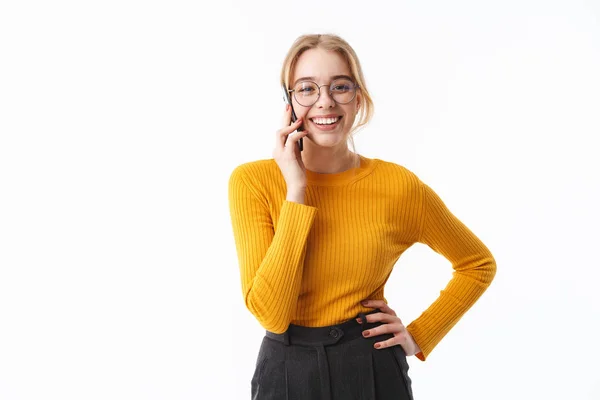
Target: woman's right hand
[(287, 152)]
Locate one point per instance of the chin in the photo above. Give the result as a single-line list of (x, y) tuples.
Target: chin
[(324, 140)]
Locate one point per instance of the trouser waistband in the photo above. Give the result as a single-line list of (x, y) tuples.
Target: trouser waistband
[(325, 335)]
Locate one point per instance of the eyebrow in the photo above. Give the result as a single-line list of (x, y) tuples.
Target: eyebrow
[(312, 78)]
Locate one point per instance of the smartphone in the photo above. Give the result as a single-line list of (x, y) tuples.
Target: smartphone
[(288, 100)]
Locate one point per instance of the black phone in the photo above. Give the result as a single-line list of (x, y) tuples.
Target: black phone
[(288, 100)]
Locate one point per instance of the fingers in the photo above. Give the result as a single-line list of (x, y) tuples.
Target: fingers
[(392, 324), (292, 140), (382, 317), (382, 305), (287, 116), (399, 332), (386, 309), (283, 133), (386, 315), (387, 343)]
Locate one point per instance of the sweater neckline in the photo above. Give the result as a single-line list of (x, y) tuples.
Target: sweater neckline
[(344, 177)]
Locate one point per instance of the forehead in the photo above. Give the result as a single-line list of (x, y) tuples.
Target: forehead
[(321, 64)]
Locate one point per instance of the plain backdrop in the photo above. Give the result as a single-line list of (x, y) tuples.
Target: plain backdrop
[(121, 122)]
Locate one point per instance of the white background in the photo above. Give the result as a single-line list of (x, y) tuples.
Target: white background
[(120, 124)]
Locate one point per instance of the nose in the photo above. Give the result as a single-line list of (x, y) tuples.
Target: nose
[(325, 100)]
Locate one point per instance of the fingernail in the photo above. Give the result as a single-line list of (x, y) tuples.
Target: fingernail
[(364, 302), (358, 320), (366, 333), (287, 107)]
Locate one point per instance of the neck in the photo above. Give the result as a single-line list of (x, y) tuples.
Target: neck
[(329, 161)]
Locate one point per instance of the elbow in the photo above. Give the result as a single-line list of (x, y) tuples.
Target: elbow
[(490, 268), (279, 328), (269, 318), (270, 322), (482, 270)]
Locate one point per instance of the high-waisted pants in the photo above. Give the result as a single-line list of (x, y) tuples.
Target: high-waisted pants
[(330, 363)]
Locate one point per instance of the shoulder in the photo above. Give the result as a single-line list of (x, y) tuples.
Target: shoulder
[(396, 172), (256, 173)]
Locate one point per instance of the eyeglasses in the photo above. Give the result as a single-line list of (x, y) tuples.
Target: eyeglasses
[(341, 90)]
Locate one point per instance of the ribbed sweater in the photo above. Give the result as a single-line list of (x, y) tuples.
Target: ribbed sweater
[(311, 264)]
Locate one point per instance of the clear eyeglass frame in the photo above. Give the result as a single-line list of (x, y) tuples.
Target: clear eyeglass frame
[(331, 85)]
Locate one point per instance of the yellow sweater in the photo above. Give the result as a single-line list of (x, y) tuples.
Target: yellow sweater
[(311, 264)]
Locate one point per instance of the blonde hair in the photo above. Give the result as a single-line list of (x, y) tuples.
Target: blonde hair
[(333, 43)]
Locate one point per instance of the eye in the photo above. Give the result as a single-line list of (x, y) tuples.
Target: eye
[(341, 88), (307, 88)]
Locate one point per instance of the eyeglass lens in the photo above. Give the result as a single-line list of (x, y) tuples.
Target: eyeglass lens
[(342, 91)]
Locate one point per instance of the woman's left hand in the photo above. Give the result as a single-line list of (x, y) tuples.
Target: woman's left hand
[(392, 324)]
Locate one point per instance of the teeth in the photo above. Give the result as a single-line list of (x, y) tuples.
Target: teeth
[(325, 121)]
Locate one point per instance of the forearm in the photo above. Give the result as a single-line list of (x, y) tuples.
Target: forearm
[(473, 264), (272, 288), (296, 195), (270, 248), (273, 293)]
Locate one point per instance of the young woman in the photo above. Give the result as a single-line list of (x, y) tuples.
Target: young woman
[(318, 231)]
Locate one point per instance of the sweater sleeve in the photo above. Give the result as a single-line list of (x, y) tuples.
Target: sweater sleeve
[(473, 264), (271, 259)]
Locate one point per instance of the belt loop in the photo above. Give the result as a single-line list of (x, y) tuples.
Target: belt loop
[(286, 338), (363, 319)]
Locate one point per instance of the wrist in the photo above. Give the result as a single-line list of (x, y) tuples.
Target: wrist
[(296, 195), (415, 344)]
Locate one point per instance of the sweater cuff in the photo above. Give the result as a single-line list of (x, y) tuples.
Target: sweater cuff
[(419, 339), (302, 214)]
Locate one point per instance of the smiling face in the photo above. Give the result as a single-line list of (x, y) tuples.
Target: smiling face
[(322, 67)]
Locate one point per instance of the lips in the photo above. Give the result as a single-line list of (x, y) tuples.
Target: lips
[(326, 127), (326, 116), (323, 119)]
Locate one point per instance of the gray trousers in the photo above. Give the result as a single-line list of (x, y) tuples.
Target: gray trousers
[(330, 363)]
